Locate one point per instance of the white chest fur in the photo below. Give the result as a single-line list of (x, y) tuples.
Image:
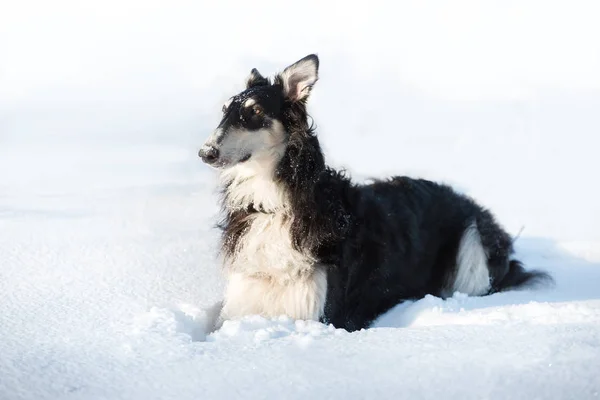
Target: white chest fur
[(267, 276)]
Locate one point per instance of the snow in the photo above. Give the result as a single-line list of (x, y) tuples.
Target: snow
[(108, 268)]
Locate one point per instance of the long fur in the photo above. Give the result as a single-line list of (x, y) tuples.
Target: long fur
[(299, 238)]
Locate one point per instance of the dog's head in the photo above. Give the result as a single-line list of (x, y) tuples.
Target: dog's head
[(253, 124)]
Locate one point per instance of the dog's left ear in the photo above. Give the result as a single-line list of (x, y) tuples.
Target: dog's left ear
[(298, 79), (256, 79)]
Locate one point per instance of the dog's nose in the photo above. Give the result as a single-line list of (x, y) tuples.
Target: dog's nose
[(209, 154)]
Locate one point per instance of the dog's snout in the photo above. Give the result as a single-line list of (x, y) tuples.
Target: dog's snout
[(209, 154)]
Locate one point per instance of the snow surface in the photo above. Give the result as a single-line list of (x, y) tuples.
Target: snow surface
[(108, 268)]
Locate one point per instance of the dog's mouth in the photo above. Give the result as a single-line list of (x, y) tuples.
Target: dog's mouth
[(224, 163)]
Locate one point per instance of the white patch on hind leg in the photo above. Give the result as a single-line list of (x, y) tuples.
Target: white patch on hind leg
[(472, 275)]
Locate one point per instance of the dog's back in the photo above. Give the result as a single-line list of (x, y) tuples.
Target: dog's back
[(412, 237)]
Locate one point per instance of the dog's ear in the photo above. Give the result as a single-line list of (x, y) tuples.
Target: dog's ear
[(298, 79), (255, 79)]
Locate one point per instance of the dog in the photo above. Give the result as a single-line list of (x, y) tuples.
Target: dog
[(300, 239)]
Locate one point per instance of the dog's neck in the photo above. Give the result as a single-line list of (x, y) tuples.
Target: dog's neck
[(277, 180), (252, 187), (297, 195)]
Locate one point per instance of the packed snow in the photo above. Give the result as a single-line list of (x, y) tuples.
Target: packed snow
[(109, 275)]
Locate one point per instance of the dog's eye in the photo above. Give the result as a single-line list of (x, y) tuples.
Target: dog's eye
[(258, 111)]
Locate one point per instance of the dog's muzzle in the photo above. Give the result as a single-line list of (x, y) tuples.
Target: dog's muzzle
[(209, 154)]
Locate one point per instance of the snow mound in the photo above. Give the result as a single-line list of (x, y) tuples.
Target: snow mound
[(492, 310), (258, 329), (187, 323)]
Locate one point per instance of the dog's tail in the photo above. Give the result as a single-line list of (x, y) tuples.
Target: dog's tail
[(519, 278)]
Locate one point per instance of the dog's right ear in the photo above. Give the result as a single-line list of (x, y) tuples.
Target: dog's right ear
[(256, 79)]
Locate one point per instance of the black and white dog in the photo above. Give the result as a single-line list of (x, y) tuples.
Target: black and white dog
[(300, 239)]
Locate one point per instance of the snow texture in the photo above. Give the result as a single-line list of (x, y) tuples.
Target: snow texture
[(108, 268)]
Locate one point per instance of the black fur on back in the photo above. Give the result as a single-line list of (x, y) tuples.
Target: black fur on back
[(382, 243)]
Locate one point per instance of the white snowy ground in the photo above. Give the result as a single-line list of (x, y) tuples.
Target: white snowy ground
[(107, 252)]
